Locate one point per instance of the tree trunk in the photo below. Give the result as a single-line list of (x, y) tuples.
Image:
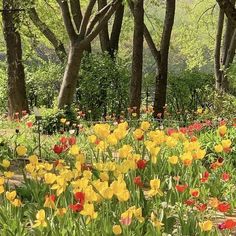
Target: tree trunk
[(217, 61), (161, 79), (104, 34), (116, 29), (229, 30), (17, 100), (70, 78), (137, 63), (228, 7)]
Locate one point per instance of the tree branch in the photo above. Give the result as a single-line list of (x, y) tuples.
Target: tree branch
[(116, 28), (44, 29), (97, 17), (102, 22), (67, 19), (86, 18), (76, 13)]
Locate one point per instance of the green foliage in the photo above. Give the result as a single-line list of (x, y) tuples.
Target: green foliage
[(194, 34), (3, 88), (186, 92), (51, 119), (231, 73), (103, 85), (43, 83), (220, 105)]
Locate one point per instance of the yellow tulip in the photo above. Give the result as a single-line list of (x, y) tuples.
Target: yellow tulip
[(33, 160), (11, 195), (155, 222), (125, 151), (40, 219), (112, 140), (173, 160), (2, 180), (21, 150), (218, 148), (1, 189), (138, 134), (50, 178), (8, 174), (5, 163), (226, 143), (92, 139), (74, 150), (16, 202), (88, 210), (206, 225), (145, 125), (222, 130), (116, 229)]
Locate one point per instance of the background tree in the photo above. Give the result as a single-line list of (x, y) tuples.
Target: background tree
[(137, 61), (224, 54), (161, 79), (17, 100)]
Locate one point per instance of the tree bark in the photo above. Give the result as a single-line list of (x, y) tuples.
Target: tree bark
[(17, 99), (217, 56), (44, 29), (155, 53), (104, 34), (70, 78), (231, 51), (116, 29), (161, 79), (229, 30), (137, 62), (229, 9)]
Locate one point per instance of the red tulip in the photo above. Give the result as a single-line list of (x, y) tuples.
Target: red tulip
[(138, 181), (225, 176), (181, 188), (205, 177), (80, 197), (228, 224), (141, 164), (58, 149), (190, 202), (63, 140), (76, 207), (29, 124), (72, 140), (223, 207), (201, 207)]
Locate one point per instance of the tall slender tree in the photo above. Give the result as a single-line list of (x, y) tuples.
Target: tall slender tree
[(161, 57), (17, 99), (137, 61), (224, 51), (80, 38), (162, 76)]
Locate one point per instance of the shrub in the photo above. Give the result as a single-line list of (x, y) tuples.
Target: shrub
[(3, 88), (103, 85), (43, 83), (187, 92)]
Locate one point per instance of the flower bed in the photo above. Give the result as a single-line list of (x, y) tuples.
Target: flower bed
[(117, 179)]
